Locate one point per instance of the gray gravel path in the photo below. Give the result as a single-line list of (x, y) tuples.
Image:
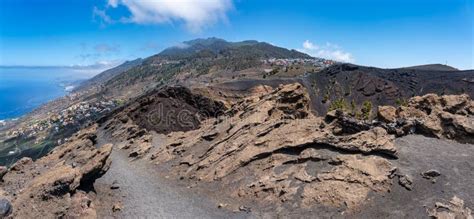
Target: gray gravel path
[(455, 162), (145, 195)]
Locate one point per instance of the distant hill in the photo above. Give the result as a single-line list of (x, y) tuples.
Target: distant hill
[(215, 47), (433, 67), (195, 58)]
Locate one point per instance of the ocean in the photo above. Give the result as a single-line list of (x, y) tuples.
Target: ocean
[(22, 89)]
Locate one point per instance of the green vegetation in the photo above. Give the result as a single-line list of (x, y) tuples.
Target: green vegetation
[(339, 104), (366, 109), (119, 102), (401, 102), (213, 48)]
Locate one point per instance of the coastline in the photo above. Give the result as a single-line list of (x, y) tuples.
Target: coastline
[(23, 90), (32, 105)]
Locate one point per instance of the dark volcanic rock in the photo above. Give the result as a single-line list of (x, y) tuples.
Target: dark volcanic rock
[(5, 207), (172, 109), (115, 185), (382, 86), (3, 171), (430, 174)]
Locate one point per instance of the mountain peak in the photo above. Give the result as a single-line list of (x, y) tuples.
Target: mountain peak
[(214, 47), (205, 41)]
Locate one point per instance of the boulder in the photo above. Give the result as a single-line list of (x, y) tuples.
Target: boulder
[(430, 174), (51, 186), (5, 207), (405, 181), (387, 113)]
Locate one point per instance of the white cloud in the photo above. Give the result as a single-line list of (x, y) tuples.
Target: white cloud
[(309, 45), (101, 64), (95, 68), (327, 51), (113, 3), (181, 45), (196, 14)]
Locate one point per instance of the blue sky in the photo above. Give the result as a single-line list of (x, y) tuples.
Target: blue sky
[(383, 33)]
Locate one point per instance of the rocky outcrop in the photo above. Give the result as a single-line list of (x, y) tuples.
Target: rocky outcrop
[(454, 209), (269, 141), (130, 136), (269, 146), (349, 182), (57, 184), (387, 113), (449, 116)]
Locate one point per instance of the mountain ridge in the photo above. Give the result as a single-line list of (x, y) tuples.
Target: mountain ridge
[(216, 46)]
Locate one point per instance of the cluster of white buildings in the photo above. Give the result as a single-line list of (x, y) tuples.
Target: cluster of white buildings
[(317, 62), (74, 114)]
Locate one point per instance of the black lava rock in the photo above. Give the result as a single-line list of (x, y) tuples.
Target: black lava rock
[(5, 207)]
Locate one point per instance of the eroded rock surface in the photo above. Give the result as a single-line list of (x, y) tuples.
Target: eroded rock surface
[(270, 141), (454, 209), (449, 116), (269, 147), (57, 184)]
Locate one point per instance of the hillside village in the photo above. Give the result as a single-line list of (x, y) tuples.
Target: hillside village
[(75, 114), (316, 62)]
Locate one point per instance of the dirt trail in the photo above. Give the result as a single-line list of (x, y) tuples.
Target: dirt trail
[(145, 195)]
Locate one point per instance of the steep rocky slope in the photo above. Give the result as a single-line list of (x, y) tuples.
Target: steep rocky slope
[(265, 152), (56, 185), (270, 149)]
